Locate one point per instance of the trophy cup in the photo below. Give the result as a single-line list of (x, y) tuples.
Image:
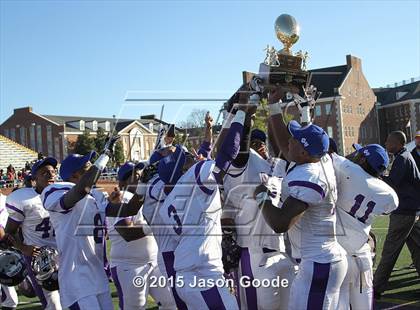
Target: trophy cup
[(282, 67)]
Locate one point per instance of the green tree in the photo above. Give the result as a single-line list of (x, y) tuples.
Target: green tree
[(118, 157), (195, 119), (261, 117), (84, 144), (100, 140)]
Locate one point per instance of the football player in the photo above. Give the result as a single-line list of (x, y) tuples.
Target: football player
[(134, 251), (154, 199), (78, 222), (262, 250), (192, 208), (9, 298), (306, 211), (362, 196), (27, 212)]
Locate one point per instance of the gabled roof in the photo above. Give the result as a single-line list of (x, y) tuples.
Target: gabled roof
[(328, 80), (72, 122), (387, 96)]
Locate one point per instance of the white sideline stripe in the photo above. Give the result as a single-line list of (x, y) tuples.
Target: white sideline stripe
[(401, 305)]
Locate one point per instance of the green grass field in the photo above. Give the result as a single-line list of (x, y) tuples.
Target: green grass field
[(404, 286)]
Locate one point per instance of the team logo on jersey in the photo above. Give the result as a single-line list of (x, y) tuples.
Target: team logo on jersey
[(366, 152), (304, 142)]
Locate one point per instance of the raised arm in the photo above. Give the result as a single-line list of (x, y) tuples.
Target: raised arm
[(89, 178), (278, 133), (231, 144), (240, 96), (205, 147)]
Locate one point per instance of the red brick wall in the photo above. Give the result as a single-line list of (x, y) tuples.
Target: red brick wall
[(23, 117)]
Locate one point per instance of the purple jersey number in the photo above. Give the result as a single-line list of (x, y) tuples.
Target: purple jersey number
[(172, 211), (45, 227), (98, 231), (357, 204)]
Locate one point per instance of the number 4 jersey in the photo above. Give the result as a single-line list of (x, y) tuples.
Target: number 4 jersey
[(25, 208), (79, 235), (361, 197)]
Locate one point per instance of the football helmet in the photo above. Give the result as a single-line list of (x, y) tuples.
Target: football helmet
[(12, 267), (45, 267)]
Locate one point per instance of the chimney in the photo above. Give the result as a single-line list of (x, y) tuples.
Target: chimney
[(23, 110), (354, 62)]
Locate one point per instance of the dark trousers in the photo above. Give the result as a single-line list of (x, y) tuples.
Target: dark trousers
[(402, 229)]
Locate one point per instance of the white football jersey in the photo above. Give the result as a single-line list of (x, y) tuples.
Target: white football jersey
[(361, 197), (153, 202), (25, 207), (193, 211), (239, 203), (79, 235), (137, 252), (313, 237), (3, 211)]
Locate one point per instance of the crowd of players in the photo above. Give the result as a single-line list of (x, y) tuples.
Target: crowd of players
[(185, 222)]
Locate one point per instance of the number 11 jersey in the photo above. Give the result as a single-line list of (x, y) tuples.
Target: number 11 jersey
[(361, 197)]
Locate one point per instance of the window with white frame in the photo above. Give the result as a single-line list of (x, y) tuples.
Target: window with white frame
[(50, 142), (330, 131), (39, 138), (22, 135), (81, 125), (328, 108), (32, 136), (94, 125), (107, 126), (318, 110)]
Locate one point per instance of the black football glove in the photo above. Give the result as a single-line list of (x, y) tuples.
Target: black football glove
[(231, 251)]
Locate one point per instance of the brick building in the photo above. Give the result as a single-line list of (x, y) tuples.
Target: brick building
[(399, 109), (346, 108), (55, 135)]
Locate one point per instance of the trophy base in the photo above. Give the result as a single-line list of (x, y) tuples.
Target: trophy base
[(279, 75)]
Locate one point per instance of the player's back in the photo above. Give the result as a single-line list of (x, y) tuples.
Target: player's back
[(361, 197), (194, 207), (79, 234), (136, 252), (25, 207), (153, 202), (313, 235), (239, 186)]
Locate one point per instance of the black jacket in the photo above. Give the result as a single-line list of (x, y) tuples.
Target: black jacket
[(404, 178), (416, 157)]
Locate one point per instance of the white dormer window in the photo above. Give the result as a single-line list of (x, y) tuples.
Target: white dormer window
[(107, 126), (151, 127), (82, 125), (95, 125)]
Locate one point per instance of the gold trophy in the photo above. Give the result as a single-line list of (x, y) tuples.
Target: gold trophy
[(282, 67), (287, 31)]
